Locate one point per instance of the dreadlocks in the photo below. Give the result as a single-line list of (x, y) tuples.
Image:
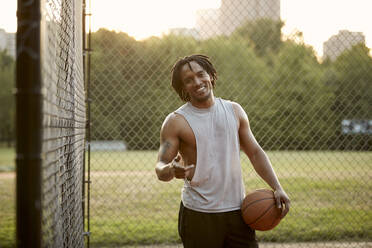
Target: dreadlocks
[(203, 61)]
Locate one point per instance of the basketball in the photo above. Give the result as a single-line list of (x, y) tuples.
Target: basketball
[(259, 210)]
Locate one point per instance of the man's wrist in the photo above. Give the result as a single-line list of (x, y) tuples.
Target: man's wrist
[(278, 188)]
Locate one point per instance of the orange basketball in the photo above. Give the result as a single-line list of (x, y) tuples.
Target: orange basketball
[(259, 210)]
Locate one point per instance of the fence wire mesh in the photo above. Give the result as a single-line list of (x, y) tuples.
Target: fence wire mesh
[(63, 124), (311, 114)]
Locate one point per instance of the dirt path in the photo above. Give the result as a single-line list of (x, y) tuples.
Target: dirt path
[(7, 175), (280, 245)]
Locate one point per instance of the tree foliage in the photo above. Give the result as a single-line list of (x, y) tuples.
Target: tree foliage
[(293, 101), (264, 34)]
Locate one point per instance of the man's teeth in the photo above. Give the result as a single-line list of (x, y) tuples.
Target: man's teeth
[(201, 89)]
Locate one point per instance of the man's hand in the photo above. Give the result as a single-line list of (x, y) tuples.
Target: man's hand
[(282, 201), (181, 171)]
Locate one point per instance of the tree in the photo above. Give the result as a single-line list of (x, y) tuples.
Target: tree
[(7, 65), (264, 34), (353, 83), (298, 102), (131, 86), (350, 79)]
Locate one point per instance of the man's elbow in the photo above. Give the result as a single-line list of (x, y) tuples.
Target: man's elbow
[(158, 173)]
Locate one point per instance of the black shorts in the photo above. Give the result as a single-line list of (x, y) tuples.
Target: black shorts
[(214, 230)]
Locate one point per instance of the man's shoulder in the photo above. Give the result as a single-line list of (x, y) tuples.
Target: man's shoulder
[(235, 105), (174, 120)]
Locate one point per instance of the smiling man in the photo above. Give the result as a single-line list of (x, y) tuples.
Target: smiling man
[(200, 143)]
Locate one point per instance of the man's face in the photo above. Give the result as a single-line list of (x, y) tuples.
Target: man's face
[(196, 82)]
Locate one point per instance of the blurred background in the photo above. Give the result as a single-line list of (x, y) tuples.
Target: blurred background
[(302, 70)]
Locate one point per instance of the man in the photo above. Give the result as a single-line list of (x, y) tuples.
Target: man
[(200, 144)]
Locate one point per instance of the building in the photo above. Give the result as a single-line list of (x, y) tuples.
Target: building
[(8, 42), (337, 44), (234, 13), (208, 23)]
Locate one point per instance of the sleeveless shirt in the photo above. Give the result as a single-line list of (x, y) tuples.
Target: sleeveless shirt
[(217, 184)]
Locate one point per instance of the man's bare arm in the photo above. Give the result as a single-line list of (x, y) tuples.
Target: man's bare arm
[(169, 160), (169, 143), (259, 159)]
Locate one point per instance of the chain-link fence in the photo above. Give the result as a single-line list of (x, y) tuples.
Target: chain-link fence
[(50, 124), (311, 114), (64, 125)]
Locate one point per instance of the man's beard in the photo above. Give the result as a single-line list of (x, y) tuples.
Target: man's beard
[(204, 98)]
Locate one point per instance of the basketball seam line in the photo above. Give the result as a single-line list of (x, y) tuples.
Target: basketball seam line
[(274, 222), (245, 207), (262, 214)]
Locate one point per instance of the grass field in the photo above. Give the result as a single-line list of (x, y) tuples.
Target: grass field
[(7, 157), (330, 193)]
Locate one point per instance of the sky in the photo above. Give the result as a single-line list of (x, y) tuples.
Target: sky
[(318, 20)]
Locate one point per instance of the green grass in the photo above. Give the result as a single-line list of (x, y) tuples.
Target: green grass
[(7, 159), (7, 211), (330, 194)]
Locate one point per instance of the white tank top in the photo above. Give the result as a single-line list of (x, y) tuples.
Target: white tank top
[(217, 185)]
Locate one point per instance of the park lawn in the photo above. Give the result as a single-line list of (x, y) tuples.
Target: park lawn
[(7, 159), (7, 210), (330, 195)]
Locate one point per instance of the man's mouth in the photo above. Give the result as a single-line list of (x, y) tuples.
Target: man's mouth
[(201, 89)]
